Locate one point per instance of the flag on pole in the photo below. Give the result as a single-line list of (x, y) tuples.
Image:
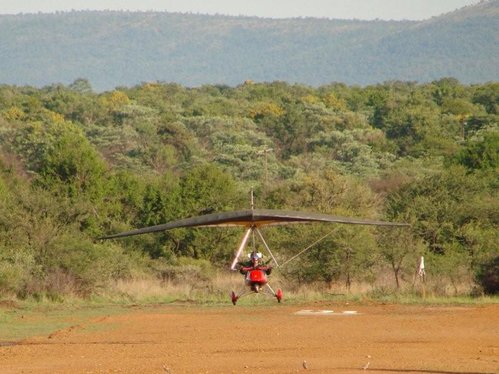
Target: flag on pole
[(421, 271)]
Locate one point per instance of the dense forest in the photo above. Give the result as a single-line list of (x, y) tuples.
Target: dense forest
[(76, 164), (126, 48)]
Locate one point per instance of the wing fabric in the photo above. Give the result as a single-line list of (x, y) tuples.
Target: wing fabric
[(253, 218)]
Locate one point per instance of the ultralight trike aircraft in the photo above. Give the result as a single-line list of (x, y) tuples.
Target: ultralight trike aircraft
[(256, 275)]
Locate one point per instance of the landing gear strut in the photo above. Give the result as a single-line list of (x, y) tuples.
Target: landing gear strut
[(278, 295)]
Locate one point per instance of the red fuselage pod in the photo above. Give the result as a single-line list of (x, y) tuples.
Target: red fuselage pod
[(256, 277)]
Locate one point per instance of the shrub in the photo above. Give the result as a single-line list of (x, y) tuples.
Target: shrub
[(487, 276)]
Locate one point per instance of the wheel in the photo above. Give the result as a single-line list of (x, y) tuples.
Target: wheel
[(255, 287), (234, 298), (278, 295)]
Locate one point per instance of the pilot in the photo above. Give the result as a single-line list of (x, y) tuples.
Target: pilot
[(255, 262)]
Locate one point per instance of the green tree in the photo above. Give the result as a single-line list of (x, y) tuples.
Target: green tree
[(448, 212), (400, 250), (488, 96), (71, 164), (481, 153)]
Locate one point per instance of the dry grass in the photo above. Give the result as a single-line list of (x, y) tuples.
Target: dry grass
[(217, 288)]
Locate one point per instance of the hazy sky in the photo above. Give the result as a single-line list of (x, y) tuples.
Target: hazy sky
[(345, 9)]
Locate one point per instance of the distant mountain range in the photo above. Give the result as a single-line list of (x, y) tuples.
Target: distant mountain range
[(126, 48)]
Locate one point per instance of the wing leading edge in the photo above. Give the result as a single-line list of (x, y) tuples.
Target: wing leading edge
[(252, 217)]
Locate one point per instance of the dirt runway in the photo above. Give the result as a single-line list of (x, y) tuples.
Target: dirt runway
[(269, 339)]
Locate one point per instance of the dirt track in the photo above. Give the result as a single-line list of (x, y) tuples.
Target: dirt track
[(269, 339)]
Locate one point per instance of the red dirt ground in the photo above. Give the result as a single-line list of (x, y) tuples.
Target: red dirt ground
[(269, 339)]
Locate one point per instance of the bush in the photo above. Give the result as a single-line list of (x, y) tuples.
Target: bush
[(487, 276), (185, 270)]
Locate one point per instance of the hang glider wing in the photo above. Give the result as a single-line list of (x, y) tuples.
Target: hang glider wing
[(253, 218)]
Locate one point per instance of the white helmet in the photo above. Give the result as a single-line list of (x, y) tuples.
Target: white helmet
[(255, 255)]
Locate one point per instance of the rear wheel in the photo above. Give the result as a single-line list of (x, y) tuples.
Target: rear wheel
[(278, 295)]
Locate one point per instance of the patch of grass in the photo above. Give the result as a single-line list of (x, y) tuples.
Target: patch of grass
[(417, 298), (30, 318)]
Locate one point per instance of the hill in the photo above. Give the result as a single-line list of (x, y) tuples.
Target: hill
[(125, 48)]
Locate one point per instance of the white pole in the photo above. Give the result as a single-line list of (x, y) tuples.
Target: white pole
[(267, 247), (241, 247)]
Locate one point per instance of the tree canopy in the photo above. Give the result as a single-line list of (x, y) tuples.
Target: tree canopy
[(75, 165)]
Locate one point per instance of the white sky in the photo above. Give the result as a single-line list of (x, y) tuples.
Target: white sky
[(342, 9)]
